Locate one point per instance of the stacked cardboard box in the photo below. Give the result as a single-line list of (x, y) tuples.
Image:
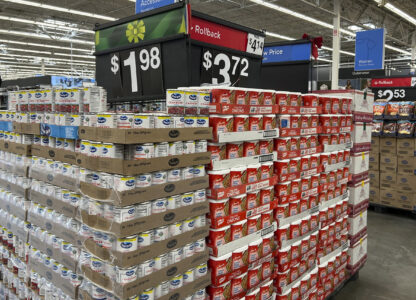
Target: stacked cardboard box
[(392, 172)]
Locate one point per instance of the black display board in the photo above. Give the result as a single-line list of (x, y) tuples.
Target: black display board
[(392, 93)]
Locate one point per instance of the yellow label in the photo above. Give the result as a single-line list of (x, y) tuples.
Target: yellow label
[(363, 156), (361, 214), (362, 184), (361, 241)]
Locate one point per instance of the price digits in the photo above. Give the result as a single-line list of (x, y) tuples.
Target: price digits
[(255, 44), (390, 94)]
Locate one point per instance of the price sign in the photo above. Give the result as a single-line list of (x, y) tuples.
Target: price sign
[(255, 44), (395, 93), (220, 67)]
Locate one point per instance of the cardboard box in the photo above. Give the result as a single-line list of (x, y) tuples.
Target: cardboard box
[(406, 164), (21, 149), (406, 182), (139, 195), (56, 204), (141, 166), (406, 200), (18, 169), (15, 188), (60, 180), (375, 144), (55, 154), (359, 192), (145, 223), (150, 281), (388, 145), (388, 179), (405, 147), (359, 163), (387, 196), (388, 162), (26, 128), (14, 210), (357, 222), (21, 233), (357, 251), (374, 194), (374, 161), (133, 258), (142, 135), (374, 178), (361, 133)]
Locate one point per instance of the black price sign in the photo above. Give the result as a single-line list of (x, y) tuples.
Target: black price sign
[(395, 93)]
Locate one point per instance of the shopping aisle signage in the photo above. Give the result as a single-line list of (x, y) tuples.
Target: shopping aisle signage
[(369, 50), (146, 5), (394, 82), (287, 53), (395, 93)]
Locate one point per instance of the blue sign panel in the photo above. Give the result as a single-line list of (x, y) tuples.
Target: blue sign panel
[(369, 50), (146, 5), (285, 53)]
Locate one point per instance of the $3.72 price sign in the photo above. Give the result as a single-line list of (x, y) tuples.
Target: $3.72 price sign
[(135, 72), (219, 67)]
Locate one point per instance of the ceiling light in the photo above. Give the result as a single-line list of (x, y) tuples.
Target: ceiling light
[(48, 58), (397, 11), (46, 37), (45, 46), (23, 50), (355, 28), (75, 55), (279, 36), (62, 9)]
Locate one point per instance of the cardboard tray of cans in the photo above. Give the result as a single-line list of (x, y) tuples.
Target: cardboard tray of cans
[(128, 259), (287, 132), (152, 280), (26, 128), (231, 219), (233, 245), (300, 110), (335, 253), (21, 170), (178, 294), (16, 148), (14, 210), (57, 229), (339, 147), (228, 192), (143, 135), (285, 289), (15, 188), (298, 153), (300, 174), (56, 204), (56, 254), (297, 217), (141, 166), (21, 233), (228, 137), (238, 109), (60, 180), (139, 195), (288, 243), (64, 284), (328, 130), (243, 161), (145, 223), (331, 202), (62, 155), (333, 167)]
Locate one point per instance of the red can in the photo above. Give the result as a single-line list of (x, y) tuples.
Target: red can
[(282, 144), (266, 170), (295, 121), (305, 163), (253, 224), (341, 138), (253, 173), (294, 143), (238, 176), (325, 120), (253, 97), (305, 121), (234, 150), (335, 105), (218, 151), (240, 123), (250, 148), (255, 122), (303, 142), (281, 98), (237, 204), (324, 139), (269, 122), (265, 147), (294, 165), (313, 141), (314, 119), (294, 208), (295, 186), (310, 100), (221, 123), (326, 104), (334, 139)]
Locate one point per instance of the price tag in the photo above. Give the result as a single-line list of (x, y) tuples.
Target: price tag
[(255, 44)]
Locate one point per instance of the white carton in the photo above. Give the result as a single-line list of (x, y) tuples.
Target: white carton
[(359, 162), (359, 192), (361, 133), (357, 223), (362, 102), (357, 251)]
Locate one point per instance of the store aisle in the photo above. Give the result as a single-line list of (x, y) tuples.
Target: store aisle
[(390, 270)]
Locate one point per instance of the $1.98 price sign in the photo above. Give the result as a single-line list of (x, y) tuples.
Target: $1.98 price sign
[(218, 67)]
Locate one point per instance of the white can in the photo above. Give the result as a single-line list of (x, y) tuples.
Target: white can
[(107, 120), (45, 141), (200, 245), (111, 150), (73, 120), (37, 140), (187, 199), (200, 295), (188, 147), (69, 144), (106, 180), (174, 202), (146, 268), (143, 209), (176, 148), (144, 180), (144, 151), (127, 244), (127, 275), (175, 256), (190, 121), (162, 121), (146, 238), (159, 177), (161, 149), (199, 171), (175, 229), (125, 214), (122, 183), (162, 289), (161, 261), (85, 146), (148, 294), (174, 175), (189, 250), (178, 121), (188, 224), (97, 265), (189, 276), (201, 146), (125, 120), (187, 173), (94, 149), (202, 121), (161, 233), (159, 205), (201, 270), (143, 121), (200, 196), (176, 282), (200, 221)]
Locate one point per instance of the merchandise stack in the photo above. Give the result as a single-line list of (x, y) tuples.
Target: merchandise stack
[(117, 202), (359, 183), (392, 157)]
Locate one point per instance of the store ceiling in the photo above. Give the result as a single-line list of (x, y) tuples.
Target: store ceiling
[(46, 29)]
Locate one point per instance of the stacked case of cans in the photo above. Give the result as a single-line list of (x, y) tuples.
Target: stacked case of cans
[(359, 184)]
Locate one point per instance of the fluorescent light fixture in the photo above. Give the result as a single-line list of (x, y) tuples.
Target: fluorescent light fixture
[(355, 28), (46, 24), (370, 25), (398, 50), (84, 62), (341, 51), (44, 36), (397, 11), (24, 50), (45, 46), (75, 55), (62, 9), (279, 36)]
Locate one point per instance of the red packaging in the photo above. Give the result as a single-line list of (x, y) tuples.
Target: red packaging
[(240, 123), (344, 205), (282, 98), (335, 105), (341, 156), (310, 100), (314, 200), (221, 96), (295, 121), (341, 138), (326, 104), (283, 259), (324, 157), (234, 150), (269, 122), (220, 292), (302, 267), (255, 122), (294, 230), (221, 123), (305, 163), (253, 97), (303, 205), (322, 272), (314, 121), (295, 186), (294, 208), (282, 167), (280, 212), (305, 184), (294, 99), (335, 121), (237, 204), (268, 242), (338, 224), (342, 121), (304, 226), (313, 240), (266, 268), (219, 179), (253, 199), (325, 120), (294, 143), (282, 280), (253, 277), (305, 121), (282, 144), (294, 273), (304, 286), (266, 195), (330, 195), (313, 141), (283, 189), (343, 189), (265, 147), (344, 106), (314, 221), (266, 170), (303, 142), (250, 148), (253, 173), (220, 265), (333, 158), (239, 284), (218, 151), (218, 208), (346, 155), (238, 230), (282, 234), (295, 253), (254, 251), (331, 212), (339, 173), (253, 224), (334, 139), (348, 120), (266, 219), (324, 139), (294, 165), (314, 181), (296, 291), (346, 172), (269, 98), (347, 137), (304, 246), (238, 176), (239, 258), (240, 97), (218, 237)]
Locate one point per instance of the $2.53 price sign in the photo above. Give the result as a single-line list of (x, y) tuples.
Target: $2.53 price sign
[(391, 94), (219, 67)]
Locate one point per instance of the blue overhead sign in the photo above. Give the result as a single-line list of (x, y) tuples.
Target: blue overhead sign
[(287, 53), (369, 50), (146, 5)]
